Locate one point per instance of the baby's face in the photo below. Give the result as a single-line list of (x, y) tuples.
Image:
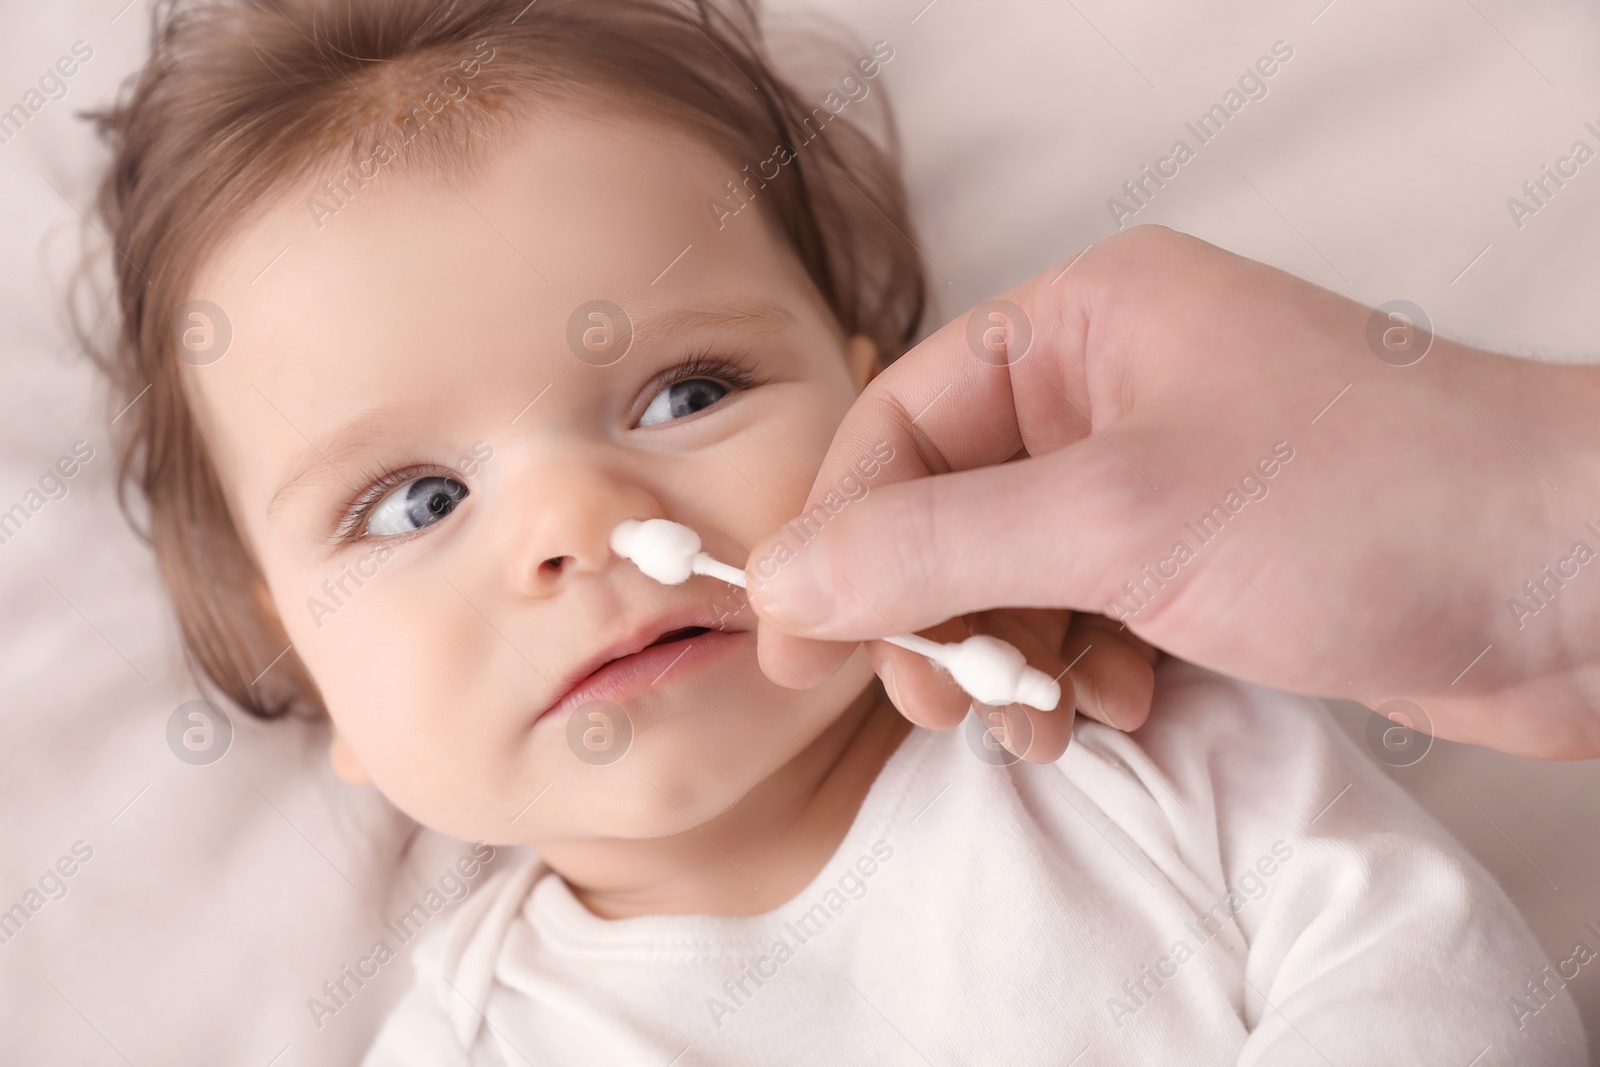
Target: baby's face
[(428, 443)]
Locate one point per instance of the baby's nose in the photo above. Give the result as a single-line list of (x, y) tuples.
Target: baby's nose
[(561, 516)]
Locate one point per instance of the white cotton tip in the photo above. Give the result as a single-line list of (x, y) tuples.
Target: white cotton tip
[(996, 673), (1038, 690), (663, 549)]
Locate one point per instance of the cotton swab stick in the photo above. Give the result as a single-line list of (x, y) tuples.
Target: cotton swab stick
[(990, 670)]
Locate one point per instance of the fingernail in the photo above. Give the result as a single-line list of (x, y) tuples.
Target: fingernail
[(801, 592)]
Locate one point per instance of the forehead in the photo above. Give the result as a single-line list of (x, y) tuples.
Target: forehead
[(345, 296)]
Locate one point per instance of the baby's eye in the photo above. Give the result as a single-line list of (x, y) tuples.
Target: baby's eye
[(414, 505), (683, 397)]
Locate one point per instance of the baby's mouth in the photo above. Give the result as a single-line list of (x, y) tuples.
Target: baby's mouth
[(633, 670), (682, 634)]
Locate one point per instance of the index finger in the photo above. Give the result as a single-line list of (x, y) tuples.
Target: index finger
[(967, 396), (987, 387)]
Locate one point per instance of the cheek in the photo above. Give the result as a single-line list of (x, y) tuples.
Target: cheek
[(782, 457), (409, 681)]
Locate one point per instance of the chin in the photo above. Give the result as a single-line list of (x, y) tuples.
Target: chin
[(686, 768)]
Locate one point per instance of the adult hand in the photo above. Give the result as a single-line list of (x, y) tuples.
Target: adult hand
[(1104, 671), (1213, 452)]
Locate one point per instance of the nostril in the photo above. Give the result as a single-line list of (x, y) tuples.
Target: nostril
[(554, 563)]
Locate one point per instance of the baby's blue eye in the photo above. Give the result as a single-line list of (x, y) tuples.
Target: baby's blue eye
[(682, 398), (415, 505)]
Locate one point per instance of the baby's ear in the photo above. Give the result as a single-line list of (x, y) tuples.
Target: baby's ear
[(344, 762), (862, 356)]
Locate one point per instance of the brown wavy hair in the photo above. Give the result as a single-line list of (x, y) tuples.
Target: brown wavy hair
[(242, 98)]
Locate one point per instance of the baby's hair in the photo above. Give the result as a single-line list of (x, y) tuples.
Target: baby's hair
[(244, 100)]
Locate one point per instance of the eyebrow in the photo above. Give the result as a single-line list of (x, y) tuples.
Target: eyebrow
[(753, 317), (322, 457)]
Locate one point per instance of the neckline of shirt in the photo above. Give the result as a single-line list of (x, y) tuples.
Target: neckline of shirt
[(558, 919)]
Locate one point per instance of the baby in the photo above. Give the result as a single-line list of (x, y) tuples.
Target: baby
[(420, 300)]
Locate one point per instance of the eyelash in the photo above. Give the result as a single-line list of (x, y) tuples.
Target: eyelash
[(729, 367), (378, 483)]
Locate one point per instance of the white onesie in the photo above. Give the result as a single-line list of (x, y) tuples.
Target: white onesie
[(1234, 884)]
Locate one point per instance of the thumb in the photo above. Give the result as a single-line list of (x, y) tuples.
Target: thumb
[(1040, 532)]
